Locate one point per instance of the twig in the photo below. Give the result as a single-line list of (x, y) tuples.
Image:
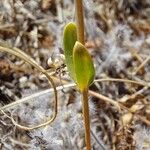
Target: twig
[(133, 96), (19, 143), (97, 140), (135, 54), (142, 65), (23, 100), (122, 80), (43, 20), (26, 99), (106, 99)]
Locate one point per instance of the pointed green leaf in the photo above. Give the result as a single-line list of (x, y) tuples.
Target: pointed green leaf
[(69, 39), (83, 66)]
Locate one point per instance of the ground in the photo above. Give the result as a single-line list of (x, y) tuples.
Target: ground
[(118, 39)]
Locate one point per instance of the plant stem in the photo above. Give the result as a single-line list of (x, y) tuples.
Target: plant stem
[(85, 109), (85, 105), (79, 20)]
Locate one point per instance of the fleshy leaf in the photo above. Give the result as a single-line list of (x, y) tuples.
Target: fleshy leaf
[(69, 39), (83, 66)]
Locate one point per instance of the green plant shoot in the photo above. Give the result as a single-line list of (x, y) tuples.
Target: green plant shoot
[(81, 69), (83, 66), (78, 59), (69, 39)]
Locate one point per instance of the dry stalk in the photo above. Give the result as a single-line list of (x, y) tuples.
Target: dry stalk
[(135, 54), (26, 99), (119, 105), (141, 65)]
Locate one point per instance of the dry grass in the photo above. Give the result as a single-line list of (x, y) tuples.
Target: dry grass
[(119, 42)]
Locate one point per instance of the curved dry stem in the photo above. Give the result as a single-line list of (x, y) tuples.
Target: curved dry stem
[(17, 52), (26, 99), (23, 100)]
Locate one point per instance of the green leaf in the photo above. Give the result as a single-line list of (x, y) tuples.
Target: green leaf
[(69, 39), (83, 66)]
